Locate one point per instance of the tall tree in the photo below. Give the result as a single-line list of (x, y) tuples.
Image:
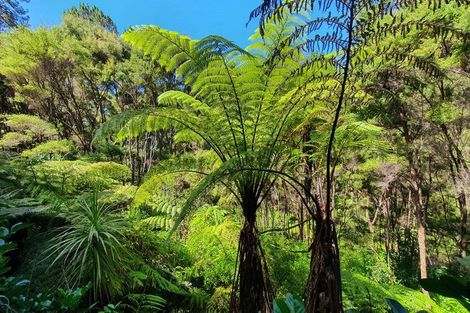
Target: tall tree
[(12, 14), (59, 73), (94, 15), (338, 36), (231, 106)]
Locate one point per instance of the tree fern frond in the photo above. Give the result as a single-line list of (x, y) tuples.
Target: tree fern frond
[(213, 47), (173, 51), (163, 212), (115, 123), (209, 180), (181, 99)]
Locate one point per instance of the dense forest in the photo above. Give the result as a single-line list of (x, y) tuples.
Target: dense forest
[(323, 168)]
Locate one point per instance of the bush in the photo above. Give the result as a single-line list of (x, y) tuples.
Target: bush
[(73, 176), (50, 148), (13, 140)]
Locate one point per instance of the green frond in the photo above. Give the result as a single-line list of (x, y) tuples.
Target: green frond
[(141, 124), (169, 171), (205, 183), (172, 51), (147, 302), (187, 136), (182, 100), (52, 147), (163, 213), (116, 122)]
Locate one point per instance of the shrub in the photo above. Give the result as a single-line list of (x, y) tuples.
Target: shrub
[(13, 140), (49, 149), (74, 176), (30, 124)]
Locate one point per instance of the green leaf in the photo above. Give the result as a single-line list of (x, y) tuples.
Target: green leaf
[(289, 304), (396, 306), (18, 226), (281, 307), (23, 282), (4, 232), (5, 247)]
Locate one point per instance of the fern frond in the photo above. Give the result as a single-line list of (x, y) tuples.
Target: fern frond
[(208, 181), (148, 302), (116, 122), (173, 51)]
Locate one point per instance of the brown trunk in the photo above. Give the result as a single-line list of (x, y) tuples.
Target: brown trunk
[(323, 292), (463, 224), (255, 291), (458, 173), (423, 267), (419, 206), (416, 195)]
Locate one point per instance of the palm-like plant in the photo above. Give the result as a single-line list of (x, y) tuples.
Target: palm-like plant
[(90, 249), (242, 109)]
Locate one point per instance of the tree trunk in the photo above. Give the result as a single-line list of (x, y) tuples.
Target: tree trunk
[(301, 222), (463, 224), (323, 292), (419, 206), (423, 266), (307, 170), (459, 172), (256, 294)]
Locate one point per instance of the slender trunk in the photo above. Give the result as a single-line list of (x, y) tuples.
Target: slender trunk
[(323, 292), (369, 222), (457, 174), (308, 166), (417, 199), (419, 206), (423, 267), (463, 241)]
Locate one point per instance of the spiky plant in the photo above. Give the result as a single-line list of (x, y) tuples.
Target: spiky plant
[(241, 109), (345, 34), (91, 249)]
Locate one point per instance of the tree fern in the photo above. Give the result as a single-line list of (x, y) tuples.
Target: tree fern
[(233, 100), (344, 31)]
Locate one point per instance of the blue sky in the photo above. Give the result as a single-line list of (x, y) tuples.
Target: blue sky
[(195, 18)]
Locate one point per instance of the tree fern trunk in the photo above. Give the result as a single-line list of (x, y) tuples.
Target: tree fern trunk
[(323, 292), (255, 291)]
